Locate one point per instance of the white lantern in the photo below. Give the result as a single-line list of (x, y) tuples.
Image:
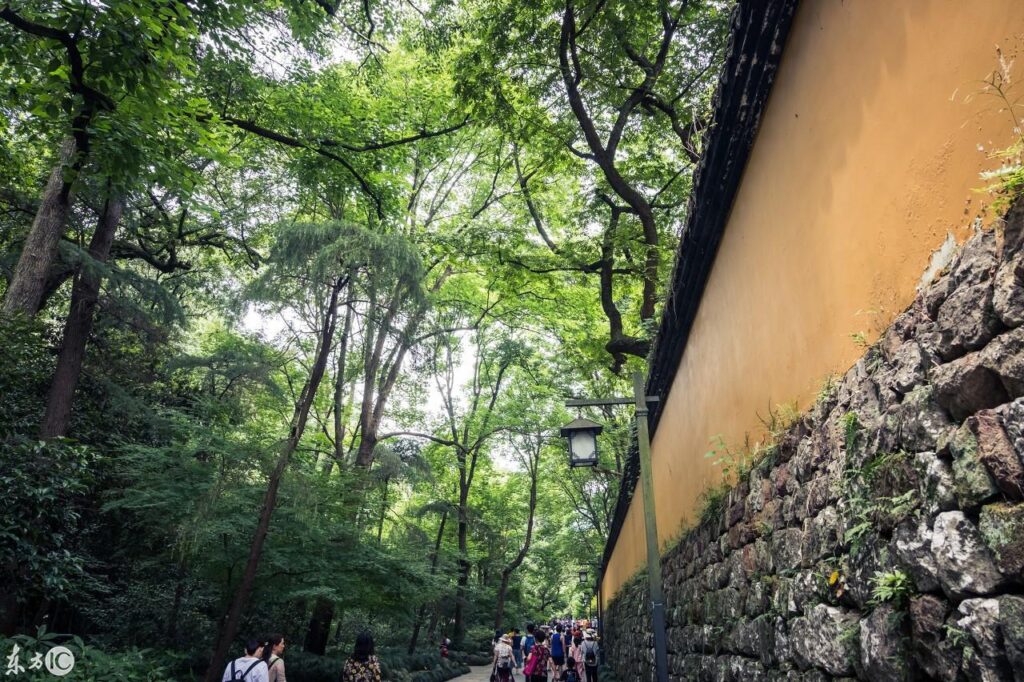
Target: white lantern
[(582, 435)]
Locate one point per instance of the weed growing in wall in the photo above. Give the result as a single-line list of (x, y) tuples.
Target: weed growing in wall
[(893, 587), (1006, 182), (879, 494)]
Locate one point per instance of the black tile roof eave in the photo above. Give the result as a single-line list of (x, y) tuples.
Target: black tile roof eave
[(752, 62)]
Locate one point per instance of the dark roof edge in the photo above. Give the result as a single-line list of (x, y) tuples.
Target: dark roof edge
[(757, 35)]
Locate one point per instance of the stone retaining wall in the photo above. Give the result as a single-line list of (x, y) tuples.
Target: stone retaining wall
[(882, 538)]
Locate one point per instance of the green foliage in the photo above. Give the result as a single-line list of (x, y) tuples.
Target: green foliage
[(27, 370), (40, 513), (851, 432), (395, 665), (879, 494), (893, 586)]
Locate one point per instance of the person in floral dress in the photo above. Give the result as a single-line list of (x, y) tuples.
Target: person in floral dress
[(362, 665)]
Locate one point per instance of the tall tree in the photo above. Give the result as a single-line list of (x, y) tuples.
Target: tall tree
[(528, 448), (84, 296), (322, 258)]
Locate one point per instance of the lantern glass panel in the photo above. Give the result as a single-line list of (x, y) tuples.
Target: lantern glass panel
[(583, 446)]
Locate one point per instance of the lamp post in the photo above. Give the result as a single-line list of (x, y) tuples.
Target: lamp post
[(581, 434)]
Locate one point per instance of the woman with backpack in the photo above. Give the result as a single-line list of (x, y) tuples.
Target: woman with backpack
[(362, 665), (504, 661), (272, 656), (590, 653), (539, 660)]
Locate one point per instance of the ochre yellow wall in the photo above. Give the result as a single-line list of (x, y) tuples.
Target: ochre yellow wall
[(867, 155)]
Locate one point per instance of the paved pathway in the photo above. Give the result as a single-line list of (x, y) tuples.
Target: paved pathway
[(481, 673)]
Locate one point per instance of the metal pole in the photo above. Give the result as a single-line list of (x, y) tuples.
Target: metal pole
[(651, 526), (600, 614)]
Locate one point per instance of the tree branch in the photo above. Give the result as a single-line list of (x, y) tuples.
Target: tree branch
[(289, 141), (374, 146)]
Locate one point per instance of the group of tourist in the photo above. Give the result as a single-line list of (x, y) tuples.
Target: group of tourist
[(262, 662), (563, 652)]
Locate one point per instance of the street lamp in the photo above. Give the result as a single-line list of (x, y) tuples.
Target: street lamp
[(643, 437), (582, 435), (583, 576)]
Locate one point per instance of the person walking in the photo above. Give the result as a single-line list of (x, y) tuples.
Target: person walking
[(530, 639), (590, 655), (249, 668), (272, 656), (517, 648), (539, 660), (558, 649), (362, 665), (576, 654), (504, 661)]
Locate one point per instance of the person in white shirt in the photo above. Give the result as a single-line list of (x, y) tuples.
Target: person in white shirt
[(248, 668)]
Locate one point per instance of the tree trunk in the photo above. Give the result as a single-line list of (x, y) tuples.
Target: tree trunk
[(383, 513), (298, 426), (25, 290), (433, 569), (435, 616), (339, 397), (85, 293), (502, 591), (462, 586), (319, 627)]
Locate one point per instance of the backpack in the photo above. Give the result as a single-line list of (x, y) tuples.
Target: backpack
[(571, 676), (590, 654), (238, 675), (505, 660)]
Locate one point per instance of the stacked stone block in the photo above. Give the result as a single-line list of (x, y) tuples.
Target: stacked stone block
[(882, 538)]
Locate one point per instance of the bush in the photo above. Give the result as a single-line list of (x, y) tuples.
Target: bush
[(43, 484), (395, 666)]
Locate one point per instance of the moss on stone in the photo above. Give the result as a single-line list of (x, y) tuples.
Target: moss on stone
[(1002, 531)]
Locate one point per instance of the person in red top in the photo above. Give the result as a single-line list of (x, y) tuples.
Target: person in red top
[(539, 660)]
